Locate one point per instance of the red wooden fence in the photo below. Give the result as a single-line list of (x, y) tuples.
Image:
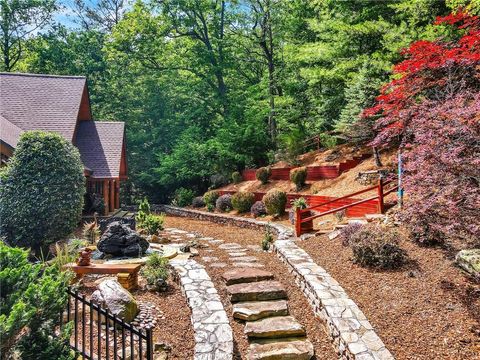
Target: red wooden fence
[(314, 173)]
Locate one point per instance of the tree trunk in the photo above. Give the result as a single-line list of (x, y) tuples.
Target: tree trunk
[(376, 156)]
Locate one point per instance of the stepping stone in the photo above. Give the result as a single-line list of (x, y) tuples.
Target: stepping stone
[(237, 254), (294, 348), (218, 265), (246, 275), (255, 310), (257, 291), (230, 246), (274, 327), (209, 258), (244, 264), (247, 259), (215, 242)]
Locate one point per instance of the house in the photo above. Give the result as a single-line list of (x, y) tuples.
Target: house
[(61, 104)]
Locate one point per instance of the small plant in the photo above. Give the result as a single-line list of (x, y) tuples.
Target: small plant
[(224, 203), (198, 202), (91, 232), (183, 197), (298, 176), (346, 233), (263, 174), (258, 209), (153, 223), (299, 203), (210, 207), (377, 246), (143, 211), (243, 201), (155, 272), (236, 177), (267, 239), (210, 197), (67, 253), (275, 201), (340, 215)]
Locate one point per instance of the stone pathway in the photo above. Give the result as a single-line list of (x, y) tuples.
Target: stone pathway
[(261, 302)]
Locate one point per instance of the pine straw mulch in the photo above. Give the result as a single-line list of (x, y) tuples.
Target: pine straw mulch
[(298, 305), (427, 310)]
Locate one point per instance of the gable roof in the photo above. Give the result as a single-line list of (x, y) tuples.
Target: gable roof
[(9, 133), (101, 145), (43, 102)]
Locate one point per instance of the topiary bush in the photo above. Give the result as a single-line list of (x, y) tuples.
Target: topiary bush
[(236, 177), (242, 201), (263, 174), (183, 197), (258, 209), (33, 297), (275, 201), (41, 191), (224, 203), (377, 246), (198, 202), (210, 197), (298, 176)]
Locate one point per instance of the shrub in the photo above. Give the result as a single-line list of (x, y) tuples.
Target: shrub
[(41, 191), (275, 202), (263, 174), (210, 197), (155, 272), (267, 239), (299, 203), (243, 201), (67, 253), (143, 211), (224, 203), (258, 209), (198, 202), (94, 203), (346, 233), (33, 296), (236, 177), (298, 176), (377, 246), (218, 180), (152, 224), (183, 197), (210, 207)]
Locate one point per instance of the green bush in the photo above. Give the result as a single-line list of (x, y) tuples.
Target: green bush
[(236, 177), (263, 174), (267, 239), (275, 202), (33, 296), (298, 176), (143, 211), (155, 272), (210, 197), (183, 197), (153, 224), (243, 201), (41, 191), (377, 246)]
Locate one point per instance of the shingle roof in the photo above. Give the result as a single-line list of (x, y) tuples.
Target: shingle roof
[(100, 144), (41, 102), (9, 133)]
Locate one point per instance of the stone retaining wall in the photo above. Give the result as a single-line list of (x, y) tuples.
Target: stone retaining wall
[(213, 334), (352, 334)]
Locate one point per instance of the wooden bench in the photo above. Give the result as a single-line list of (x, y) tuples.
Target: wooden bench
[(127, 274)]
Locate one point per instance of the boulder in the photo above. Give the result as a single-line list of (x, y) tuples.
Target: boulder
[(120, 240), (112, 296), (469, 260)]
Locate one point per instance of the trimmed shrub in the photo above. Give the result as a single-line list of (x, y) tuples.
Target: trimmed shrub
[(218, 180), (183, 197), (41, 191), (210, 197), (263, 174), (258, 209), (152, 224), (275, 201), (33, 296), (224, 203), (155, 272), (243, 201), (377, 246), (198, 202), (346, 233), (298, 176), (236, 177)]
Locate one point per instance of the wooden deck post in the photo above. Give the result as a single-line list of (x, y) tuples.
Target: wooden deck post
[(117, 194), (112, 195), (106, 194), (381, 207), (298, 222)]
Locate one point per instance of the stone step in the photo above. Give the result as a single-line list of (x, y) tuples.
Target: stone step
[(255, 310), (257, 291), (274, 327), (246, 275), (281, 349)]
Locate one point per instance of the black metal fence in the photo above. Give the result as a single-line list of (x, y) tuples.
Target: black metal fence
[(99, 334)]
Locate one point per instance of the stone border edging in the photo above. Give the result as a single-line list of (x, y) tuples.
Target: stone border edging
[(213, 334), (352, 334)]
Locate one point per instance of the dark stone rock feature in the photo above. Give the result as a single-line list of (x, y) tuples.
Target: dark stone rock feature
[(105, 223), (120, 240)]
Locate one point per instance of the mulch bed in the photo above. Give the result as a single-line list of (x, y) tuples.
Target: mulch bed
[(427, 310), (298, 305)]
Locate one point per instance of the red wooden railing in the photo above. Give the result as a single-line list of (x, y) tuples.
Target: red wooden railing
[(304, 217)]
